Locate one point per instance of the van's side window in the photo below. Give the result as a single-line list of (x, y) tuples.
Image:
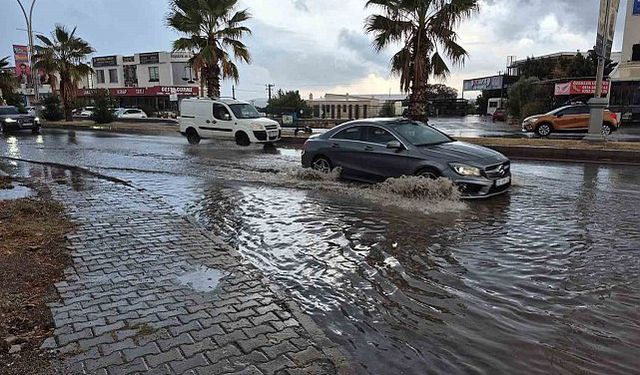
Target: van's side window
[(220, 113)]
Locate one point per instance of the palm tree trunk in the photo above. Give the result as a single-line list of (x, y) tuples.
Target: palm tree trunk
[(419, 102), (213, 81)]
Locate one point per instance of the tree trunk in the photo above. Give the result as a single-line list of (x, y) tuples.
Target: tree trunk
[(213, 81), (419, 102), (66, 98)]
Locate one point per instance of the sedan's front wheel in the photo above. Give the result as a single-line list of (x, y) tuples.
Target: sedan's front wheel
[(322, 164), (607, 129), (428, 173)]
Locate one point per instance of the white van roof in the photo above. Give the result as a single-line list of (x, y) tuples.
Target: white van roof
[(227, 101)]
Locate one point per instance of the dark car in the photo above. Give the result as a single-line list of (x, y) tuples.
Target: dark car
[(11, 119), (376, 149)]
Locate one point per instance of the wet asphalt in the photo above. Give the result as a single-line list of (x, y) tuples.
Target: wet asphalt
[(545, 279)]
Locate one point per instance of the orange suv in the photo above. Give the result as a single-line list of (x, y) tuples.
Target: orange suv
[(571, 118)]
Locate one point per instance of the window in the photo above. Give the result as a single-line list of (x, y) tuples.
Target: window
[(493, 104), (635, 55), (113, 76), (220, 113), (419, 134), (379, 135), (100, 76), (154, 74), (244, 111), (352, 134), (582, 110)]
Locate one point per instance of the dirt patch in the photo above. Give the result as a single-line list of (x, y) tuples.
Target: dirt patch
[(32, 259), (6, 183)]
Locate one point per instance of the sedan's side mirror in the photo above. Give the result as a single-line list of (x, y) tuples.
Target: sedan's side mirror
[(395, 145)]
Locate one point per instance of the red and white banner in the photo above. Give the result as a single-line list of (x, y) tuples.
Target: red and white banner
[(580, 88), (23, 66), (144, 91)]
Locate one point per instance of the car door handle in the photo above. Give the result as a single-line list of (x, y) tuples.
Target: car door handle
[(335, 145), (368, 148)]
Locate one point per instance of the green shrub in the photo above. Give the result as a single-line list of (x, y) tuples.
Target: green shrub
[(52, 108), (103, 104)]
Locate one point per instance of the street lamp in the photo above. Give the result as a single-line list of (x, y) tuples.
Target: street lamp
[(28, 18)]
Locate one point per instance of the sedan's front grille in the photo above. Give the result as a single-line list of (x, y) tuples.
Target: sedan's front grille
[(271, 127), (498, 171)]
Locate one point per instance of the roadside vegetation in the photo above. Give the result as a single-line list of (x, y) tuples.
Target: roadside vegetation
[(213, 29), (65, 54), (426, 32), (32, 259)]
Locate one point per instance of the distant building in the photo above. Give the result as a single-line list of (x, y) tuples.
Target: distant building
[(625, 91), (155, 81), (350, 107)]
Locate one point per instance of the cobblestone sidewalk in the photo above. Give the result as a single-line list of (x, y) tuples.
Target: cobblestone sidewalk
[(151, 292)]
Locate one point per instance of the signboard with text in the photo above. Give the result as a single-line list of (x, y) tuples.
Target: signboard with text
[(149, 58), (606, 27), (480, 84), (144, 91), (101, 62), (584, 87), (23, 67)]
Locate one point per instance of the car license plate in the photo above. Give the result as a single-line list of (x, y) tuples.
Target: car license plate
[(503, 181), (273, 134)]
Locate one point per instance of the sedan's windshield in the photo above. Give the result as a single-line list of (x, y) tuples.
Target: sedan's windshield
[(9, 111), (244, 111), (419, 134)]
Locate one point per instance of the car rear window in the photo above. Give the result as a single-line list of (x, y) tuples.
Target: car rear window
[(9, 111)]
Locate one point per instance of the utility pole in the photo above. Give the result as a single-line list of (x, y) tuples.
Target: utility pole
[(233, 92), (270, 87), (28, 20)]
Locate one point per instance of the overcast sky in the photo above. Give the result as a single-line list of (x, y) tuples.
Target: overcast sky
[(319, 46)]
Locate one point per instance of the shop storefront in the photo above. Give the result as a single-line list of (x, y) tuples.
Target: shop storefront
[(151, 99)]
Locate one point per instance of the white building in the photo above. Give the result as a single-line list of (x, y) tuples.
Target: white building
[(155, 81), (625, 92), (350, 107)]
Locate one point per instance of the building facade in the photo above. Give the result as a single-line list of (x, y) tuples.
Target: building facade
[(348, 107), (625, 91), (154, 81)]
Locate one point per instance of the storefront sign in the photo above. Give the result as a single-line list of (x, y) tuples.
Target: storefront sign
[(101, 62), (181, 55), (606, 27), (128, 59), (144, 91), (149, 58), (580, 88), (480, 84)]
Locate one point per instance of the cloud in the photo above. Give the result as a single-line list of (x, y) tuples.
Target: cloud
[(301, 5)]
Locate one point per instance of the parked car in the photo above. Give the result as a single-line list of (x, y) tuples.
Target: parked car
[(84, 112), (373, 150), (226, 119), (499, 115), (133, 113), (571, 118), (11, 119)]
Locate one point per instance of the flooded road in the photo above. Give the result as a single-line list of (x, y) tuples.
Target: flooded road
[(543, 280)]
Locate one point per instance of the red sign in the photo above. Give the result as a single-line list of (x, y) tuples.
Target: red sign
[(580, 88), (144, 91)]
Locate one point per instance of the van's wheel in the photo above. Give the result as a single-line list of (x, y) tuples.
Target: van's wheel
[(428, 173), (544, 129), (192, 136), (242, 139), (322, 164), (607, 129)]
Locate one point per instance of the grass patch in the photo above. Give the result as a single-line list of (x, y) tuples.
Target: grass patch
[(32, 259)]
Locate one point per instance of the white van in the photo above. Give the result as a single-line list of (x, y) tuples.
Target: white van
[(226, 119)]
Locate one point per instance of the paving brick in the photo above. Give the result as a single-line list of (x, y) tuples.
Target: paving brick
[(164, 358), (275, 365), (173, 342), (232, 337), (284, 347), (249, 345), (181, 366), (306, 356), (141, 351), (225, 352)]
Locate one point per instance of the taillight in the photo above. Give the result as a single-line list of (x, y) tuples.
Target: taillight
[(614, 116)]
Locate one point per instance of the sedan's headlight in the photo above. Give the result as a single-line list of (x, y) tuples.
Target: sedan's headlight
[(10, 121), (257, 127), (466, 170), (37, 120)]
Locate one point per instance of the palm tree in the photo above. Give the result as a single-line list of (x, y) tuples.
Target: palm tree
[(8, 80), (65, 54), (425, 29), (212, 29)]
